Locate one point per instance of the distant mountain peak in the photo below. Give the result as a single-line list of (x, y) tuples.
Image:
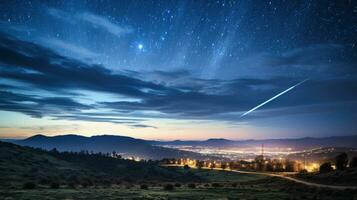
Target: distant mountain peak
[(38, 136), (218, 139)]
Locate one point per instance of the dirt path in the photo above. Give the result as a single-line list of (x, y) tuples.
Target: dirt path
[(297, 180), (284, 177)]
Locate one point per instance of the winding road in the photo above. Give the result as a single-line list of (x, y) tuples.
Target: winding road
[(297, 180), (338, 187)]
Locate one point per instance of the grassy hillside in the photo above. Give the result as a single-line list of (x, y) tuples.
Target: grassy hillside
[(345, 177), (262, 189), (19, 165), (54, 175)]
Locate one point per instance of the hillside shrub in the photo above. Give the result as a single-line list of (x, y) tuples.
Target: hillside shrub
[(191, 185), (72, 185), (216, 185), (186, 167), (55, 185), (341, 161), (144, 187), (29, 185), (326, 167), (168, 187), (353, 162)]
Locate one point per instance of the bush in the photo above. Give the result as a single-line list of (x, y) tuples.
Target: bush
[(234, 184), (177, 185), (144, 187), (216, 185), (326, 168), (55, 185), (186, 167), (72, 185), (303, 171), (85, 184), (168, 187), (29, 185), (191, 185), (353, 162), (341, 161), (44, 181)]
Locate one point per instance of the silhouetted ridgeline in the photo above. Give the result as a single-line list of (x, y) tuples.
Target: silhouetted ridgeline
[(146, 149), (126, 146), (298, 143)]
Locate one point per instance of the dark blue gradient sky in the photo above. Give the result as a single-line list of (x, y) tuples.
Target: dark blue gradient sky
[(178, 69)]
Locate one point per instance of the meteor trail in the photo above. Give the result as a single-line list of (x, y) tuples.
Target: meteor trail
[(271, 99)]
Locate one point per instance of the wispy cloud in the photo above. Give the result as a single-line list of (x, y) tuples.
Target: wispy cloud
[(96, 21), (78, 51), (102, 22)]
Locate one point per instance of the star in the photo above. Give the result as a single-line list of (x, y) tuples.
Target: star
[(140, 46)]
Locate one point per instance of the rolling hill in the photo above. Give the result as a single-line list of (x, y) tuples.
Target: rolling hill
[(125, 146)]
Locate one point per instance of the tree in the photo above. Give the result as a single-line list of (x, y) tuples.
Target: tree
[(341, 161), (199, 164), (223, 166), (169, 187), (289, 166), (55, 185), (54, 151), (191, 185), (353, 162), (270, 167), (144, 187), (29, 185), (326, 167), (231, 165)]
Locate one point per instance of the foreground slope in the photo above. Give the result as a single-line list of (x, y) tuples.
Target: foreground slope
[(19, 165)]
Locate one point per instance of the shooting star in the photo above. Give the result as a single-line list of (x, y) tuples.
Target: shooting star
[(271, 99)]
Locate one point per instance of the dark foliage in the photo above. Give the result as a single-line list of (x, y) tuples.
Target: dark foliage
[(169, 187), (326, 167), (341, 161), (29, 185), (72, 185), (216, 185), (55, 185), (144, 187), (191, 185), (353, 162)]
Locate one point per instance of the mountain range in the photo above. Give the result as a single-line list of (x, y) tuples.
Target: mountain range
[(151, 149), (294, 143), (125, 146)]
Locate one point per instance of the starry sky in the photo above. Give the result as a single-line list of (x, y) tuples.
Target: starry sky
[(178, 69)]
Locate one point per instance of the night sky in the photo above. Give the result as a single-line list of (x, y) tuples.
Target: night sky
[(178, 69)]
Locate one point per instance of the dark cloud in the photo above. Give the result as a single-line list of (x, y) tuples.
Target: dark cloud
[(53, 71), (38, 106), (42, 68), (142, 126)]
